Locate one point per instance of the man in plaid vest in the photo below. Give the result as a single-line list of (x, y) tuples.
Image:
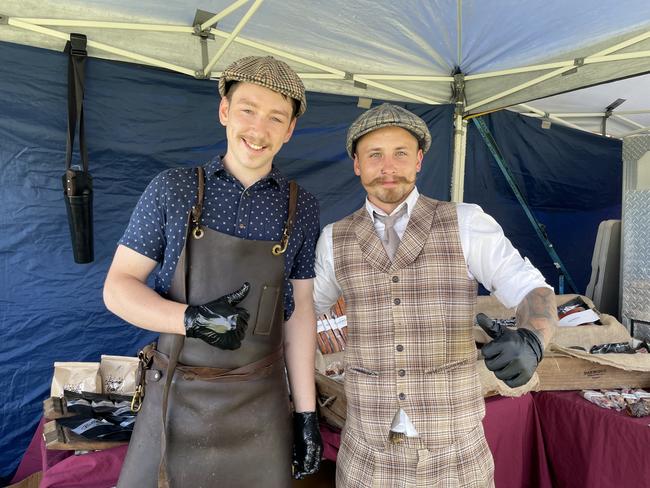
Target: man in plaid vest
[(407, 267)]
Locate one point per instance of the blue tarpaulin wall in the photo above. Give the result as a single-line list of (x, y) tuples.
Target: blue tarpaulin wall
[(140, 121), (572, 180)]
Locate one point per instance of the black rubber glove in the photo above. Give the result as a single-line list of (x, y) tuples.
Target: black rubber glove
[(513, 355), (307, 444), (220, 323)]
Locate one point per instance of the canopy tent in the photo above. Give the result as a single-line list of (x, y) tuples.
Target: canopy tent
[(506, 53), (361, 49)]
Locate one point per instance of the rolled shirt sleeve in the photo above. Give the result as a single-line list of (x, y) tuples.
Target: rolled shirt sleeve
[(491, 258)]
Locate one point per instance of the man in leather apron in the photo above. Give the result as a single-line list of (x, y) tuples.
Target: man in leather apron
[(234, 242), (407, 267)]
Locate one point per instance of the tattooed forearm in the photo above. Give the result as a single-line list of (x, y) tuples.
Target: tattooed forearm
[(538, 312)]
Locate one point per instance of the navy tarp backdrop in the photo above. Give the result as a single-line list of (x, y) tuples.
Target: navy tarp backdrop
[(570, 179), (140, 121)]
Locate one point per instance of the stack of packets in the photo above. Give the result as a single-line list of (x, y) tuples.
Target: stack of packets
[(332, 329), (103, 417), (635, 401), (98, 395)]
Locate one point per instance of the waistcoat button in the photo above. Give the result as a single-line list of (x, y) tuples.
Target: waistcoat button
[(397, 301), (401, 372), (395, 279), (402, 396), (399, 348)]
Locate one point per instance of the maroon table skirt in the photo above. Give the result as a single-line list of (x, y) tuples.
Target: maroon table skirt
[(591, 446)]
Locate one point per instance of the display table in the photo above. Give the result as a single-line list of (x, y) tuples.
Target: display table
[(590, 446), (545, 439)]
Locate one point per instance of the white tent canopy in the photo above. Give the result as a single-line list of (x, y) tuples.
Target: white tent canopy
[(504, 53), (508, 52)]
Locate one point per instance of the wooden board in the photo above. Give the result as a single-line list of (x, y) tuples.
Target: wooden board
[(60, 438), (55, 408), (33, 481)]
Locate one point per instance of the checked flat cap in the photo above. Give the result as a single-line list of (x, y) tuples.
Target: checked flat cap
[(268, 72), (387, 115)]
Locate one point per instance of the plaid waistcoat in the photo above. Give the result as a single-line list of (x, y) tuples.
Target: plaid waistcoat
[(410, 339)]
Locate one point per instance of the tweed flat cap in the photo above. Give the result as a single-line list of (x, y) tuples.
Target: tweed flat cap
[(386, 115), (268, 72)]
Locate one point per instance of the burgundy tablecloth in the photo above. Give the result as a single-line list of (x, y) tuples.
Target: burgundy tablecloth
[(590, 446)]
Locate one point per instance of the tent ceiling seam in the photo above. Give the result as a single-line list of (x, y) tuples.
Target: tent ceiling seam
[(459, 32)]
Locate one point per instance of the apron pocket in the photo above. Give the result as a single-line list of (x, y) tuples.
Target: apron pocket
[(266, 310)]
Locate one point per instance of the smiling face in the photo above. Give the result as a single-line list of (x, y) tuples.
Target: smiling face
[(258, 122), (388, 161)]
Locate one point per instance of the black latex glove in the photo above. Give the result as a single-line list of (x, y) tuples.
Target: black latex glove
[(307, 444), (220, 323), (513, 355)]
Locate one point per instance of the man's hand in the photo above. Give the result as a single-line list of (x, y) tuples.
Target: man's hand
[(307, 444), (220, 323), (513, 355)]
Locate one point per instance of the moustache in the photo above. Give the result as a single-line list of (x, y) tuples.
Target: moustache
[(394, 179)]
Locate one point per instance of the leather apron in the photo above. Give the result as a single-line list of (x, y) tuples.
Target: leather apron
[(227, 413)]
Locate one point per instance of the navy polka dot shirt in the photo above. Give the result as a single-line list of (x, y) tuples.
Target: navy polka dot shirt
[(157, 226)]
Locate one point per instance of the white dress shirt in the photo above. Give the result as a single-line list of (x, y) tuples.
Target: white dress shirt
[(491, 260)]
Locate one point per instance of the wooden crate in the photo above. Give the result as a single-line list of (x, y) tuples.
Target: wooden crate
[(332, 404), (570, 373)]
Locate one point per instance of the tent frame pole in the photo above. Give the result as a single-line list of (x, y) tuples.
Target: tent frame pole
[(549, 116), (102, 47), (638, 131), (600, 56), (458, 164), (560, 64), (501, 162), (244, 20), (224, 13), (457, 189)]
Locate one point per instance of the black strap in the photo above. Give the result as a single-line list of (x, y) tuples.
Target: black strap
[(76, 48)]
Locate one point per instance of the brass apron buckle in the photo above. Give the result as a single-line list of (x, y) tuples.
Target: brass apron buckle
[(282, 247)]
